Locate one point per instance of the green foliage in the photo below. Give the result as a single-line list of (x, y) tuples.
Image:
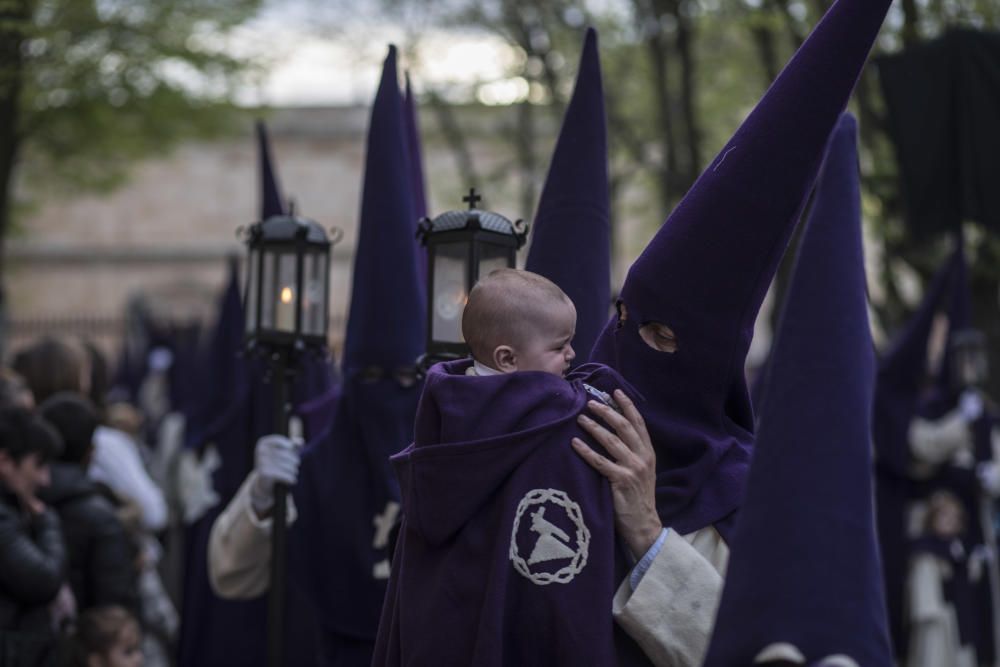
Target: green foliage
[(108, 81)]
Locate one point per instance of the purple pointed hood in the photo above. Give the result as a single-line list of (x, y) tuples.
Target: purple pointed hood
[(944, 394), (416, 165), (571, 235), (385, 326), (226, 373), (706, 272), (415, 150), (271, 200), (804, 565)]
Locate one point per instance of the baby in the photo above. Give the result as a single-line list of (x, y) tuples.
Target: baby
[(497, 506), (519, 321)]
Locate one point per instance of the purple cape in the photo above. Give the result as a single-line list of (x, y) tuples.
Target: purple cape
[(706, 272), (507, 554)]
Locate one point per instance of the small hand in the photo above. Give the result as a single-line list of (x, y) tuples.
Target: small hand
[(277, 462), (631, 470)]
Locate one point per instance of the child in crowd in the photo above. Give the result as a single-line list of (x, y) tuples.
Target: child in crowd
[(940, 589), (107, 637)]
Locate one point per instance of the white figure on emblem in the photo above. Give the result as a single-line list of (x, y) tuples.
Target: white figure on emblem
[(548, 547)]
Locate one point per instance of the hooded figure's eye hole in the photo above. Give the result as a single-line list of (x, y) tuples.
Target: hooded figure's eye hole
[(622, 313), (659, 336)]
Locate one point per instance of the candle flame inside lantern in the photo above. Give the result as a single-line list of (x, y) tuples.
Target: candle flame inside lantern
[(286, 295)]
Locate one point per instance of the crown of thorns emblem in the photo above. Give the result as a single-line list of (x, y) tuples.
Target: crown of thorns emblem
[(553, 543)]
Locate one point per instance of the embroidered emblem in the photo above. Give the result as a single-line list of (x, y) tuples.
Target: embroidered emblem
[(553, 536)]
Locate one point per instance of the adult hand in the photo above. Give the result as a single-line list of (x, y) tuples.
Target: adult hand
[(277, 462), (631, 469)]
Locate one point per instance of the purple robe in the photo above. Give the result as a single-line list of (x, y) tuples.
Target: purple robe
[(507, 554)]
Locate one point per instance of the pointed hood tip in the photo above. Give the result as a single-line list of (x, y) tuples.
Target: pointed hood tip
[(792, 459), (573, 215), (385, 266)]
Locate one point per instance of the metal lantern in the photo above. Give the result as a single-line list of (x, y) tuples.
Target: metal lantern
[(969, 362), (462, 247), (288, 282)]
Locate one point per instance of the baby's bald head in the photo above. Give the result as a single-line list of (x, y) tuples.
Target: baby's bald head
[(518, 309)]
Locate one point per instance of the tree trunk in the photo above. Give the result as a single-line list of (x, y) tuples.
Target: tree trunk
[(763, 38), (911, 19), (689, 102), (794, 32), (657, 50), (526, 156), (14, 20), (455, 138)]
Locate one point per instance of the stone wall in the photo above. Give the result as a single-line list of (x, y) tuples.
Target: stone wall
[(168, 230)]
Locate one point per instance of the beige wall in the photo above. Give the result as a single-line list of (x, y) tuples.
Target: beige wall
[(167, 231)]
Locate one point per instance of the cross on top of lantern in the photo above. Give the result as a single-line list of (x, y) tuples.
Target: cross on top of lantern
[(969, 363), (288, 283), (462, 247)]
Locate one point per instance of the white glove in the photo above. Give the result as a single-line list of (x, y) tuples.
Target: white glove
[(970, 404), (194, 482), (277, 462), (989, 478)]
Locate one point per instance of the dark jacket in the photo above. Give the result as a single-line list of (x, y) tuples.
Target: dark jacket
[(32, 569), (101, 556)]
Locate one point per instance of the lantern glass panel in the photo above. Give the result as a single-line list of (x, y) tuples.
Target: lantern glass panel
[(314, 294), (491, 258), (267, 289), (284, 292), (450, 291), (253, 284)]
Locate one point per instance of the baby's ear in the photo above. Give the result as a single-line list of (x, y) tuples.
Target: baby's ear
[(505, 359)]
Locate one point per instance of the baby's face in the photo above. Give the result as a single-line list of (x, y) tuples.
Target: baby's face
[(548, 347)]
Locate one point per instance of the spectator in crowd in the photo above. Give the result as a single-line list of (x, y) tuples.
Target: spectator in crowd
[(51, 365), (14, 390), (32, 556), (100, 553), (107, 637)]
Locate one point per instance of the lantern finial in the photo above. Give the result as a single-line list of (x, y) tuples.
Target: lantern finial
[(472, 199)]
